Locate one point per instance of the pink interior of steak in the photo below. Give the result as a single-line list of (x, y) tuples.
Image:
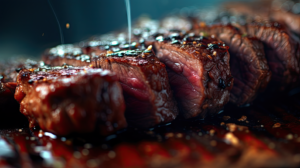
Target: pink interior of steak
[(185, 79), (146, 89)]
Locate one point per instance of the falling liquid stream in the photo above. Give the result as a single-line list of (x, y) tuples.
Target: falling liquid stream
[(127, 2)]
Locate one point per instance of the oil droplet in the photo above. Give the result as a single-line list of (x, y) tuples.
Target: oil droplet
[(68, 25)]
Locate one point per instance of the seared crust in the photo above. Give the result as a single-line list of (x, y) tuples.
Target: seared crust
[(148, 97), (142, 72), (281, 51), (248, 63), (66, 100), (204, 64)]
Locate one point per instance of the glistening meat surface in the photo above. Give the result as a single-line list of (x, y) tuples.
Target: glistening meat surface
[(248, 63), (66, 100), (148, 97), (199, 72)]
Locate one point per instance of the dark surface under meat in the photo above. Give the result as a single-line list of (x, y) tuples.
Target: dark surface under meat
[(262, 135), (144, 80), (199, 72), (248, 63), (66, 100)]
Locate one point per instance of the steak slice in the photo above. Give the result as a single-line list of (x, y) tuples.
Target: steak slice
[(199, 72), (248, 63), (281, 48), (66, 100), (9, 107), (282, 52), (145, 84), (283, 11)]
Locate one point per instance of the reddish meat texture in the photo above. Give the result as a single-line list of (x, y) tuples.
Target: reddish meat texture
[(66, 100), (199, 72), (248, 63), (144, 79)]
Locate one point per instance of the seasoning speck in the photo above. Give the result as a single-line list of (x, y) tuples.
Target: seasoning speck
[(243, 118), (276, 125), (149, 48)]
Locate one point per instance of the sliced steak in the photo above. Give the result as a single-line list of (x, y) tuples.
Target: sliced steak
[(145, 84), (66, 100), (282, 52), (248, 63), (9, 107), (144, 79), (199, 72), (283, 11), (281, 49)]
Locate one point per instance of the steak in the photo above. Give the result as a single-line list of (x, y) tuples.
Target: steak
[(144, 80), (281, 49), (283, 11), (248, 63), (145, 83), (282, 52), (66, 100), (9, 107), (199, 72)]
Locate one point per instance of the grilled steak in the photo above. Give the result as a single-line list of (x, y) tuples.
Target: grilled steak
[(66, 100), (281, 49), (144, 80), (247, 61), (199, 72), (282, 52), (9, 107), (283, 11)]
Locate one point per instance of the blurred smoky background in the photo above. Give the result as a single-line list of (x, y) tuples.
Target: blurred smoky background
[(28, 27)]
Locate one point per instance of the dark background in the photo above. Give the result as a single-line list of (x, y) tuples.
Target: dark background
[(28, 27)]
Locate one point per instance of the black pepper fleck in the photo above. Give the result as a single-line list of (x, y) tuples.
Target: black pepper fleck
[(222, 83), (30, 81), (18, 70)]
